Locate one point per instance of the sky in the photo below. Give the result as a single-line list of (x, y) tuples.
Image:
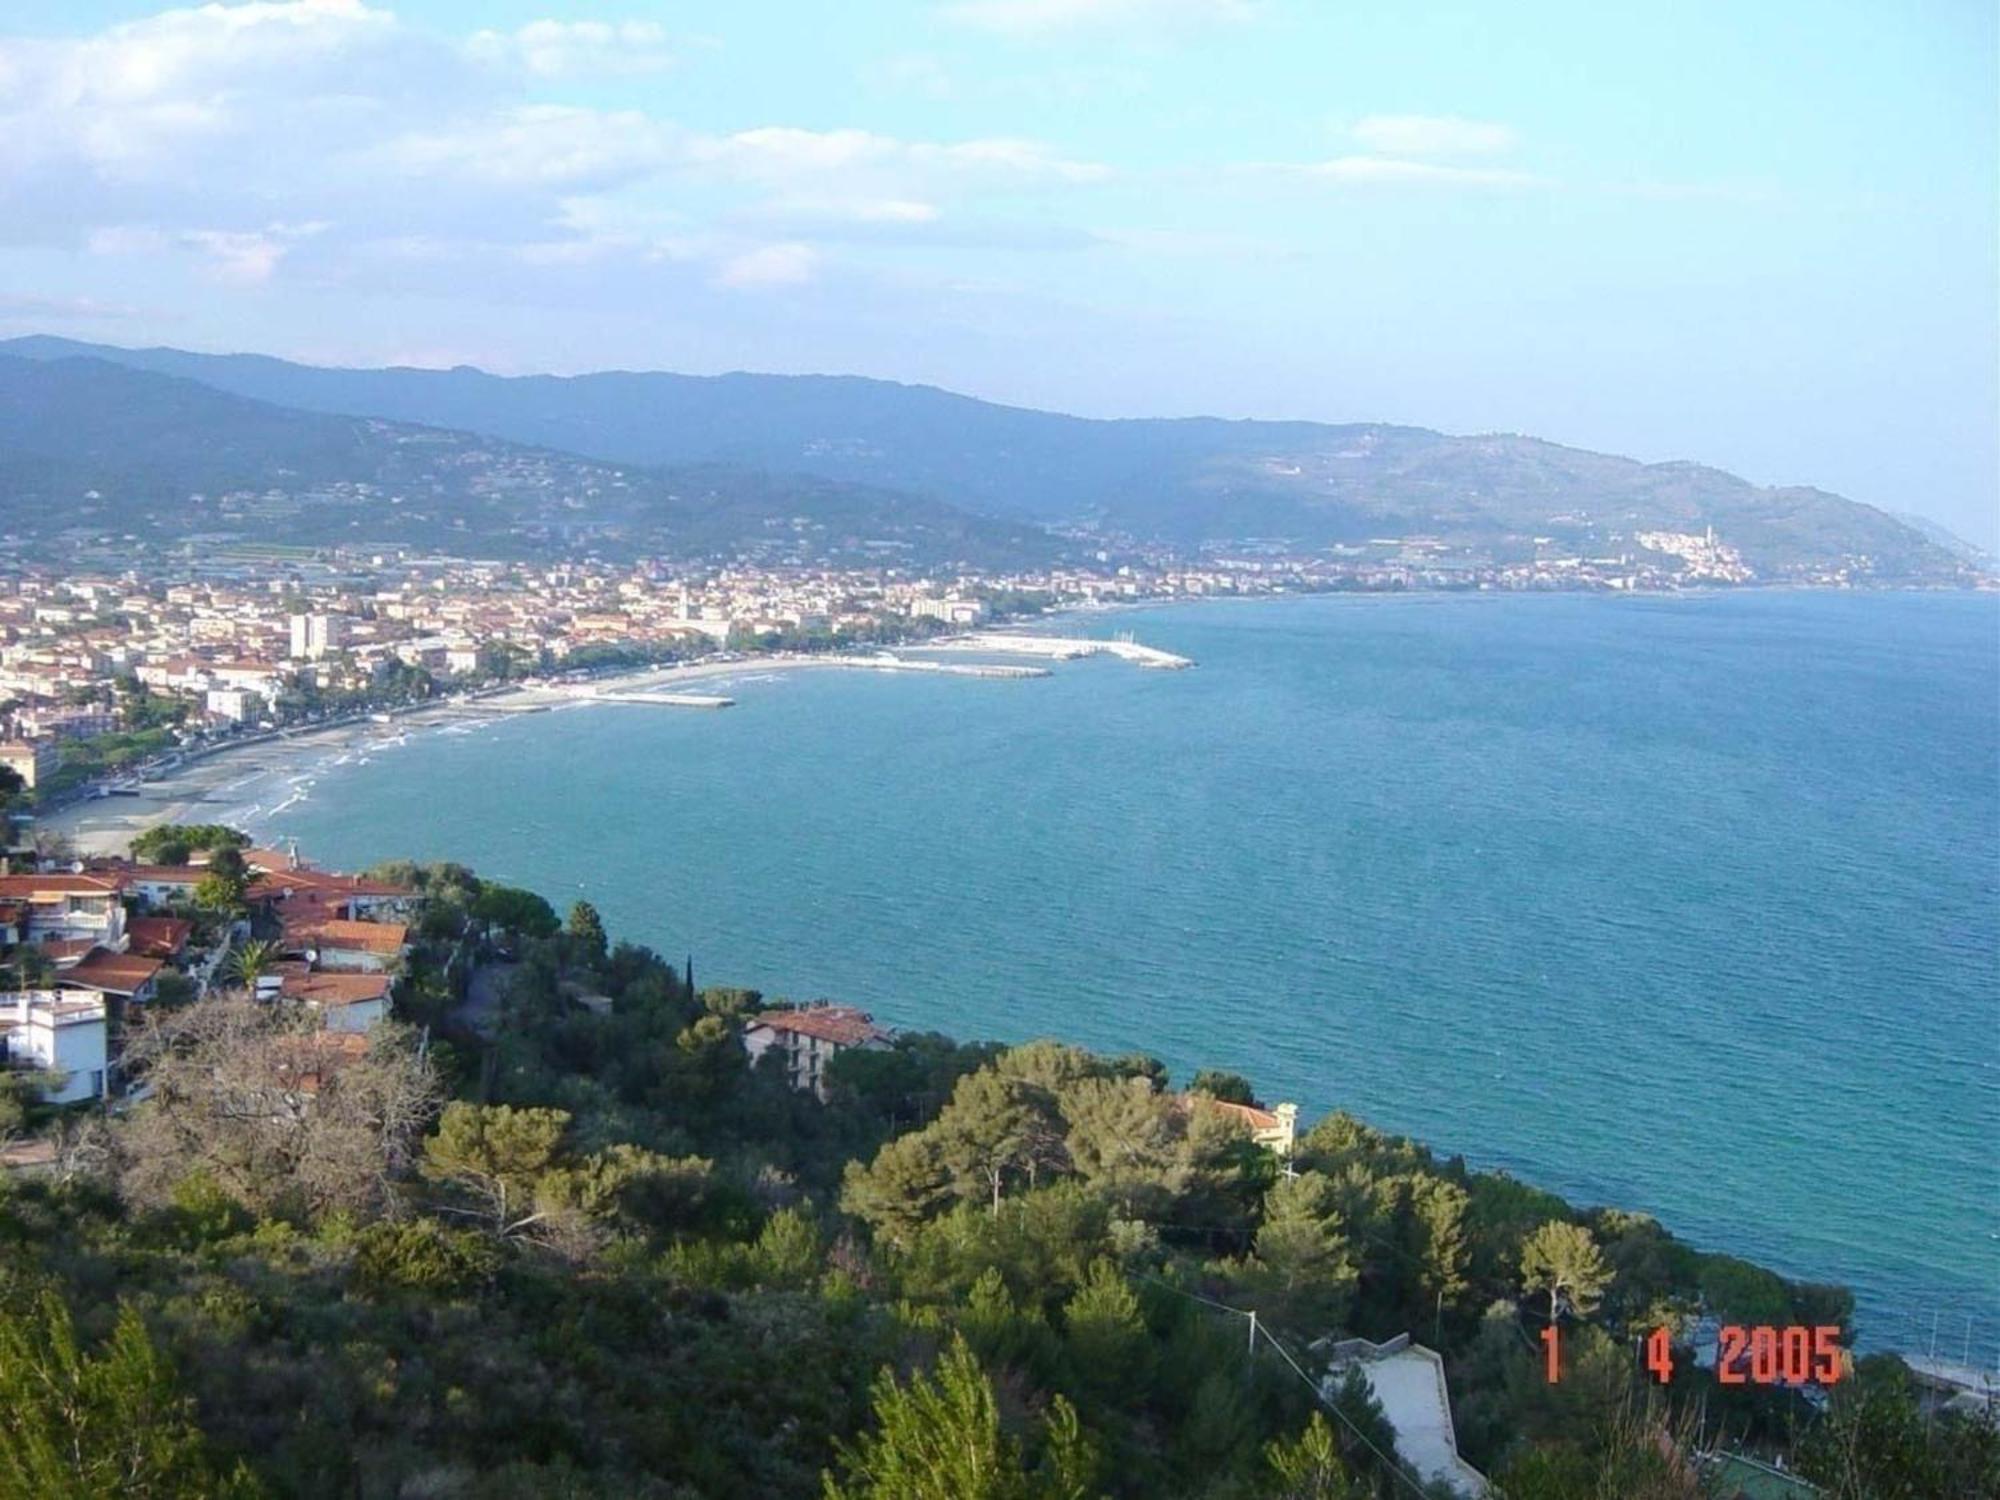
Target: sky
[(1761, 236)]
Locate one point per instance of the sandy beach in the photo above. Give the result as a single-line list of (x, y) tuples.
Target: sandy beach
[(256, 777)]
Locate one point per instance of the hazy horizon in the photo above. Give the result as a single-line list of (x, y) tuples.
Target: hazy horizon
[(1760, 242)]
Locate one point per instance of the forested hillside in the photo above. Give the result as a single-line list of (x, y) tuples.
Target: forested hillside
[(581, 1248), (90, 448), (1181, 480)]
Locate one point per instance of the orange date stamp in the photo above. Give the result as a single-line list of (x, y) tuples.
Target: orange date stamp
[(1793, 1355)]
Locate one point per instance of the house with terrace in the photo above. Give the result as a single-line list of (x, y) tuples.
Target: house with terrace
[(154, 885), (59, 1032), (282, 893), (66, 907)]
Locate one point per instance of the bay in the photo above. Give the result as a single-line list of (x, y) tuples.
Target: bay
[(1684, 904)]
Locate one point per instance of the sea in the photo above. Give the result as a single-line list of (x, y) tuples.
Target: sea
[(1688, 904)]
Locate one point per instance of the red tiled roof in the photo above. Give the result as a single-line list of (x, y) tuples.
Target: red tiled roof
[(118, 973), (336, 989), (28, 887), (1254, 1116), (158, 937), (840, 1024), (386, 938), (322, 885)]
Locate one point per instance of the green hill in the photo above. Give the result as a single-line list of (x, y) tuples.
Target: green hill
[(1186, 481), (92, 448)]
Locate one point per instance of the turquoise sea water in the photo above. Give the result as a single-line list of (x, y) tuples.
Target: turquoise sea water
[(1684, 904)]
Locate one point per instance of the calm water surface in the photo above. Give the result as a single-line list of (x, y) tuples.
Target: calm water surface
[(1689, 905)]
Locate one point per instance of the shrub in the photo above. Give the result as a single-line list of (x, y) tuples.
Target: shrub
[(422, 1255)]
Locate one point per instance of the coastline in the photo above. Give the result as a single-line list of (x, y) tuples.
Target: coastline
[(188, 791), (241, 773), (206, 788)]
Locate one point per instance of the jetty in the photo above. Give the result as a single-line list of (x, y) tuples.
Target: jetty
[(660, 700), (887, 662), (881, 661), (1069, 648)]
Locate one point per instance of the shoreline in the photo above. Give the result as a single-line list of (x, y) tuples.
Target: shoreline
[(99, 826), (197, 789), (192, 790)]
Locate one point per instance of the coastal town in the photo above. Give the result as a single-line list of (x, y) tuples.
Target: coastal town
[(105, 673)]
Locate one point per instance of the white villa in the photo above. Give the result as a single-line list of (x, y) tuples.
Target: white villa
[(58, 1032)]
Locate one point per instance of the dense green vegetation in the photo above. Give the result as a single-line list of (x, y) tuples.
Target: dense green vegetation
[(586, 1250), (177, 843)]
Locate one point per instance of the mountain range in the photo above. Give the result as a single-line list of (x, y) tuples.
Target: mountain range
[(931, 470), (89, 447)]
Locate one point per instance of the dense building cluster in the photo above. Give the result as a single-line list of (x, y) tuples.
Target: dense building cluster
[(163, 656)]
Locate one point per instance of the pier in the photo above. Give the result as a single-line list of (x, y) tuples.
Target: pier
[(884, 661), (1069, 648), (661, 700), (889, 663)]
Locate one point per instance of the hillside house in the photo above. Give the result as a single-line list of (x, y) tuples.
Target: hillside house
[(128, 976), (809, 1038), (61, 1033), (345, 1002), (1274, 1129), (340, 946), (66, 907)]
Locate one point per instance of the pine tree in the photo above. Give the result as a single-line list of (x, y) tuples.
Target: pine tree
[(984, 1134), (76, 1425), (939, 1438), (1106, 1334), (1563, 1260), (1438, 1211), (587, 928), (1309, 1467), (1302, 1254)]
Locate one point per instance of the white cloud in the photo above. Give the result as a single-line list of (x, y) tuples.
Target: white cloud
[(769, 266), (813, 209), (1034, 17), (1403, 149), (243, 257), (1432, 135), (779, 153), (222, 133), (1389, 169), (545, 145), (567, 49), (246, 258)]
